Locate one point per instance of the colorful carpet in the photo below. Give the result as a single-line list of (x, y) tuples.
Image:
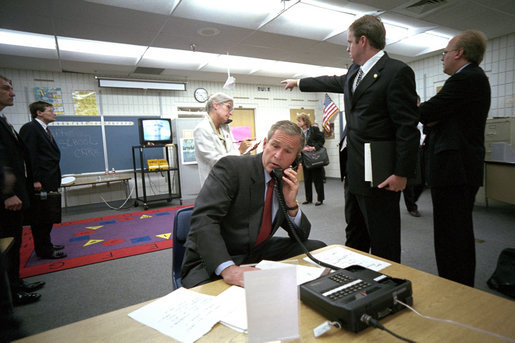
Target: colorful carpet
[(101, 239)]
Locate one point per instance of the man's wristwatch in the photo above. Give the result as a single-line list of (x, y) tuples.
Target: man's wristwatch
[(294, 207)]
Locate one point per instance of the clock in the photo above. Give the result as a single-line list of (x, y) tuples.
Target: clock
[(200, 94)]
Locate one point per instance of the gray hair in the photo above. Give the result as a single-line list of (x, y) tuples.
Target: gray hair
[(289, 128), (219, 98)]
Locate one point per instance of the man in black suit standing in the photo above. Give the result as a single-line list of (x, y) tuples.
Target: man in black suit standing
[(380, 105), (44, 157), (457, 118), (15, 162)]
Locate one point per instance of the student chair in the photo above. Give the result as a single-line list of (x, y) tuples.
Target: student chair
[(181, 227)]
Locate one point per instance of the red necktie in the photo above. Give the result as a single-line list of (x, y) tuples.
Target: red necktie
[(266, 222)]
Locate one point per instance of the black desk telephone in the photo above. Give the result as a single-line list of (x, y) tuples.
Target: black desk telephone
[(346, 295)]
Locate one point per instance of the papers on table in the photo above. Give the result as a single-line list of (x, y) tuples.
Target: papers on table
[(343, 258), (183, 315), (234, 313), (186, 315)]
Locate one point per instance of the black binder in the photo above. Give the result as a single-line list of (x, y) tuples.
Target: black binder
[(380, 156)]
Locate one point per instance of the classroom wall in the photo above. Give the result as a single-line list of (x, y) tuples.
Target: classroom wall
[(270, 106)]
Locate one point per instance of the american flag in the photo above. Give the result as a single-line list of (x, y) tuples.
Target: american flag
[(330, 110)]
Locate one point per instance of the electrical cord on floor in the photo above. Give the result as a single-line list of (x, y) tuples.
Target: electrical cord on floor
[(365, 318), (121, 206), (457, 323)]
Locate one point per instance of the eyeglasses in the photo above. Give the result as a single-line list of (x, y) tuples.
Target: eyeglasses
[(229, 107), (445, 52)]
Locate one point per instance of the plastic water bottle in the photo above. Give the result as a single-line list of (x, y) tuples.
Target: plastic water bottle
[(114, 172)]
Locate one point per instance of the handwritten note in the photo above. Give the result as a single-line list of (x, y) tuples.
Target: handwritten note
[(183, 315)]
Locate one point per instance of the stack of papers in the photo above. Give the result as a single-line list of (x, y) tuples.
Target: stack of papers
[(186, 315)]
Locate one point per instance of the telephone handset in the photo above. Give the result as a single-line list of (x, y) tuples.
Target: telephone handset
[(278, 173)]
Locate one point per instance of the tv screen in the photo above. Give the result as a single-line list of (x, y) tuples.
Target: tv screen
[(155, 130)]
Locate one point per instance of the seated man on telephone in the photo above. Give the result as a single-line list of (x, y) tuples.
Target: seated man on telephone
[(237, 212)]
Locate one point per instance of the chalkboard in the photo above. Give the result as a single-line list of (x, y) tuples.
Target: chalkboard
[(80, 139), (80, 142), (120, 138)]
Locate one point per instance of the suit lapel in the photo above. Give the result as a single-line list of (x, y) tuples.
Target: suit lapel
[(45, 134), (350, 77), (257, 198), (369, 79)]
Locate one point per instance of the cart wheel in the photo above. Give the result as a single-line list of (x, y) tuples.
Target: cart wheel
[(136, 204)]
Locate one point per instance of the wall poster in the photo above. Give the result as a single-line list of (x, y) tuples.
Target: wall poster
[(53, 96), (85, 103)]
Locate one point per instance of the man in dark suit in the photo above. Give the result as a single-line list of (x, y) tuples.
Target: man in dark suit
[(231, 225), (380, 105), (44, 157), (14, 160), (457, 118)]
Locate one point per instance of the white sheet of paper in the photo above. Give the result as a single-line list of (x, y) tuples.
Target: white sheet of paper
[(343, 258), (272, 304), (183, 315), (304, 273), (234, 308), (368, 162)]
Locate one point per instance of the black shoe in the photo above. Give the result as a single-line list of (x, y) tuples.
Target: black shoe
[(54, 255), (24, 298), (415, 213), (30, 287), (58, 247), (318, 203), (306, 202)]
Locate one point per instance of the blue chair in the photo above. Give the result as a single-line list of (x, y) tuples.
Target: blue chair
[(181, 227)]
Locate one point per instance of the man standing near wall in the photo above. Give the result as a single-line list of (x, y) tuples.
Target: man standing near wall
[(13, 158), (44, 158), (380, 105), (456, 117)]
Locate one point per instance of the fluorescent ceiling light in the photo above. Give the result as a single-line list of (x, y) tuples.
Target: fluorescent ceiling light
[(176, 58), (236, 64), (27, 39), (395, 32), (311, 21), (100, 48), (428, 41), (142, 84)]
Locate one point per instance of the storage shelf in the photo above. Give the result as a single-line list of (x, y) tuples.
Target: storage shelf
[(140, 171)]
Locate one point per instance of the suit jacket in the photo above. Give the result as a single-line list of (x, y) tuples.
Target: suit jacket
[(227, 217), (14, 158), (383, 108), (456, 143), (44, 155), (209, 148), (315, 137)]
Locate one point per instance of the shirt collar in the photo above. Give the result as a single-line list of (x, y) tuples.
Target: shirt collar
[(371, 62), (457, 71), (268, 177), (42, 123)]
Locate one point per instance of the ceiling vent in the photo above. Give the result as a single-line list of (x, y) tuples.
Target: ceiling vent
[(421, 8), (150, 71)]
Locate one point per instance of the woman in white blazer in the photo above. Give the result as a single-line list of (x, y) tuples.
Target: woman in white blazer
[(213, 137)]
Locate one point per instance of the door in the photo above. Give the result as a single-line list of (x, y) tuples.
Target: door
[(243, 119)]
